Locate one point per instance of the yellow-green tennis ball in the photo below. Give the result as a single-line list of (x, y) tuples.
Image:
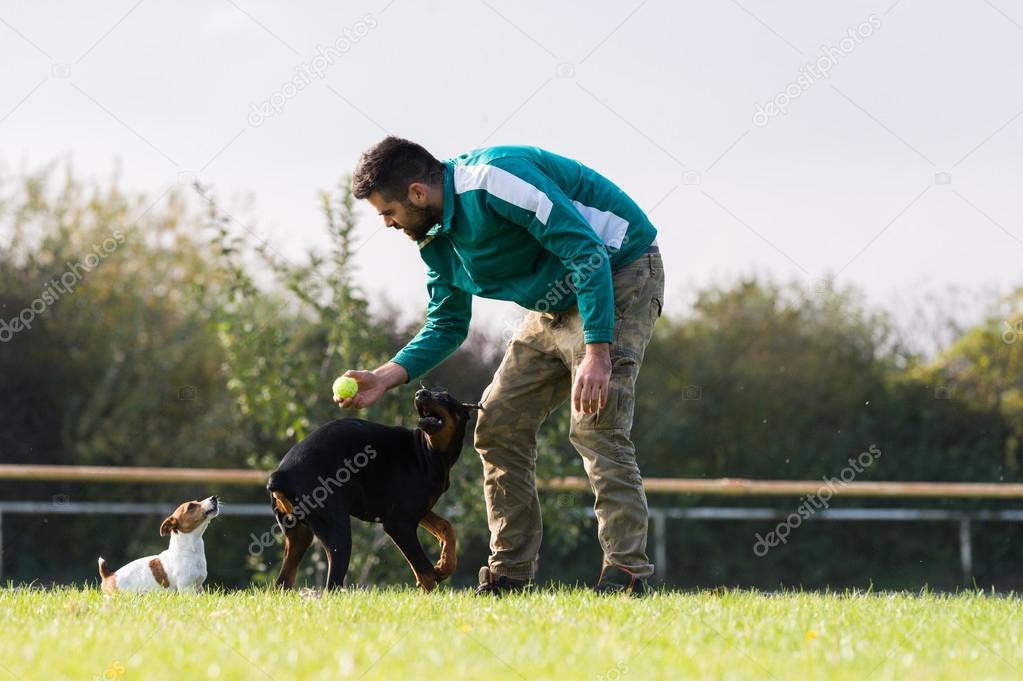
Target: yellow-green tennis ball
[(345, 387)]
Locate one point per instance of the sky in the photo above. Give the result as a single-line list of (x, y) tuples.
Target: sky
[(878, 143)]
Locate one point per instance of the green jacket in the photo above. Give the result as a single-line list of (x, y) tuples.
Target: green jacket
[(525, 225)]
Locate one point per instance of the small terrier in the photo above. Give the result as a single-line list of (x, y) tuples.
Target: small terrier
[(182, 567)]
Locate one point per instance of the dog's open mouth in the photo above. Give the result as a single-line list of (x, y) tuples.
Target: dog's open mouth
[(431, 420)]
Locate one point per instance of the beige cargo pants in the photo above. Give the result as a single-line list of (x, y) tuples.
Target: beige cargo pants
[(534, 378)]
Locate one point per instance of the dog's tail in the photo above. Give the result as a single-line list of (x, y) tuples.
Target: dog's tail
[(108, 579), (280, 501)]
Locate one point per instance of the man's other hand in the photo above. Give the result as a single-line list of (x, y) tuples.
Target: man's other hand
[(589, 395)]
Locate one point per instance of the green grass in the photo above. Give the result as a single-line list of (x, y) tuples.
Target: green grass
[(561, 634)]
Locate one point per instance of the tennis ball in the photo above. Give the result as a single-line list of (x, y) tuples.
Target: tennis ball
[(345, 387)]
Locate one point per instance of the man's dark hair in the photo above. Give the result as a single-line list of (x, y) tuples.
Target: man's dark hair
[(391, 165)]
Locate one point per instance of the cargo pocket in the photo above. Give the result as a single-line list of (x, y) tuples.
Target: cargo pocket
[(628, 284), (621, 396)]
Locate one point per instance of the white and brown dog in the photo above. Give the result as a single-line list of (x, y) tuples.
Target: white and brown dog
[(182, 567)]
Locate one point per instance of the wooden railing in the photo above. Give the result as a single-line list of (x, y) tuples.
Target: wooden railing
[(716, 486)]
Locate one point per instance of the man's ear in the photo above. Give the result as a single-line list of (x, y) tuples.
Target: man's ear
[(169, 524), (418, 194)]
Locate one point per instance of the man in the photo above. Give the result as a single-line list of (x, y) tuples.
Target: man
[(526, 225)]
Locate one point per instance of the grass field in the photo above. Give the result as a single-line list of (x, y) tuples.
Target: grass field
[(402, 634)]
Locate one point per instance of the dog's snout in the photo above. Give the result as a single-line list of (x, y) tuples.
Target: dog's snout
[(422, 394)]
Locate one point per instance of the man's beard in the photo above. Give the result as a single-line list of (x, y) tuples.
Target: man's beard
[(418, 220)]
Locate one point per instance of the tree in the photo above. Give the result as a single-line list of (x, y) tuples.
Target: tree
[(108, 355), (984, 368)]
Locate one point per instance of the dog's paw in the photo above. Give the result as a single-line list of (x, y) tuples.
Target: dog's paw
[(426, 582), (442, 570)]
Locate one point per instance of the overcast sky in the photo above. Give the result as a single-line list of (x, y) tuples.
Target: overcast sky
[(878, 142)]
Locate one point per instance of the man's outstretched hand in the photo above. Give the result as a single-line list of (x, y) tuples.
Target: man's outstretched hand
[(372, 385), (589, 394)]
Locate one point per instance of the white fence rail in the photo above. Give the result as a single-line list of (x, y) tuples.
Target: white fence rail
[(716, 486)]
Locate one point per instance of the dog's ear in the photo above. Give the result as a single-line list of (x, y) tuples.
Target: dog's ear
[(470, 407), (169, 524)]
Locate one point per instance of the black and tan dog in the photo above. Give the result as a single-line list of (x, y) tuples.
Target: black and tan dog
[(377, 473)]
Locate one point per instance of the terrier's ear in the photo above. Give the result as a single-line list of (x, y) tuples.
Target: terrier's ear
[(169, 524), (470, 407)]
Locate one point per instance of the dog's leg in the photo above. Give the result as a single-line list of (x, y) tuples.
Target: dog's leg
[(444, 533), (336, 537), (297, 539), (403, 534)]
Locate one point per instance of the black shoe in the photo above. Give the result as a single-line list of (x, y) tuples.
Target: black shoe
[(618, 580), (496, 586)]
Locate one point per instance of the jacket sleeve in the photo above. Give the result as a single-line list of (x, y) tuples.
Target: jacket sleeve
[(531, 199), (447, 324)]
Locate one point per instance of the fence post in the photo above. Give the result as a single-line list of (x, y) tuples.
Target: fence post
[(660, 542), (966, 551)]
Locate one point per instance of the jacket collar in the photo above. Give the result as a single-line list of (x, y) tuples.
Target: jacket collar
[(449, 206)]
